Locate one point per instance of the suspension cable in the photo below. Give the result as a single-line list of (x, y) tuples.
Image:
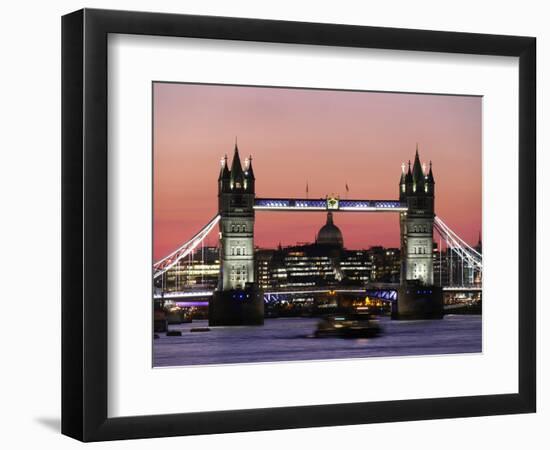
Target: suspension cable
[(186, 249)]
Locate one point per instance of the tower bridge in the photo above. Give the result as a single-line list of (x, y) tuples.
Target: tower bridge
[(237, 300)]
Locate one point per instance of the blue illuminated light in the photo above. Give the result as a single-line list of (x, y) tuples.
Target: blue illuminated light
[(322, 204)]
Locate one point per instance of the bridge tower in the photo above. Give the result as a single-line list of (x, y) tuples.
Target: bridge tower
[(237, 300), (418, 297), (417, 191)]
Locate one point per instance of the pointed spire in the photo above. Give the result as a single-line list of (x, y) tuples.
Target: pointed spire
[(403, 176), (236, 157), (236, 168), (224, 171), (249, 171), (408, 176), (418, 173), (222, 162), (329, 219), (430, 175)]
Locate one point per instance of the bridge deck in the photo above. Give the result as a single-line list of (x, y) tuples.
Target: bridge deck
[(393, 287)]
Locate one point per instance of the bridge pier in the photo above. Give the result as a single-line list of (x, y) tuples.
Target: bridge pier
[(236, 307), (418, 302)]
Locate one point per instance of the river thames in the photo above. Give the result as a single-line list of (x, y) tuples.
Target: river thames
[(291, 339)]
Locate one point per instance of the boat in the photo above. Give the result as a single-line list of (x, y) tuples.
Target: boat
[(352, 325)]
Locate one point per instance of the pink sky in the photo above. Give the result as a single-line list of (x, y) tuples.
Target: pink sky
[(322, 137)]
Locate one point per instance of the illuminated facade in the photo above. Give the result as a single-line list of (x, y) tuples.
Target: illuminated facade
[(236, 207), (385, 264), (417, 189)]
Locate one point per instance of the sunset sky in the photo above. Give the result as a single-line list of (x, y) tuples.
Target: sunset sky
[(321, 137)]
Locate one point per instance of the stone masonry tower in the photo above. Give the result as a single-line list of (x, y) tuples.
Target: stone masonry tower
[(236, 300), (416, 188), (236, 207), (418, 297)]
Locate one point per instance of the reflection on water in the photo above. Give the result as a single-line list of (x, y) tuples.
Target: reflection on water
[(291, 339)]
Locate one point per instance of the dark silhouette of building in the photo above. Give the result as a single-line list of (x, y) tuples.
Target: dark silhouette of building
[(330, 234)]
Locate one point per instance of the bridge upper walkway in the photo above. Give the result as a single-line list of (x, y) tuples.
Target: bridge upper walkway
[(327, 204)]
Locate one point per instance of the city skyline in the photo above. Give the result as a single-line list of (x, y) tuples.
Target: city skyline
[(325, 140)]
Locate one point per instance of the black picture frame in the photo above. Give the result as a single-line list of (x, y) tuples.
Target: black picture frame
[(84, 224)]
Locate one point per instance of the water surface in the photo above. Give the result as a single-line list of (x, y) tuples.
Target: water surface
[(289, 339)]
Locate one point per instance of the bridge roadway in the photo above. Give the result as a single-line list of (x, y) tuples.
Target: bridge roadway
[(294, 291), (289, 291)]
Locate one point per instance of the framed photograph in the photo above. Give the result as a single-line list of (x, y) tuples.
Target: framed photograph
[(272, 224)]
